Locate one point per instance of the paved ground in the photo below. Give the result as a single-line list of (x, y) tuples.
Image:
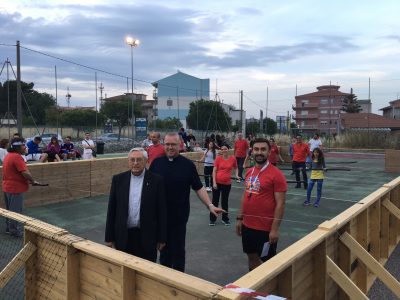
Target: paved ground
[(214, 253)]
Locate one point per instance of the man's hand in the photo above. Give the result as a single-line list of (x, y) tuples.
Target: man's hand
[(160, 246), (215, 210), (239, 227), (273, 236), (111, 245)]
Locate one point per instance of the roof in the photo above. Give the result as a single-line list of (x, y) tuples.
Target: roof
[(367, 120), (177, 74), (325, 91)]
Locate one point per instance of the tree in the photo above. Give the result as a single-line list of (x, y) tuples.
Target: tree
[(272, 127), (118, 112), (208, 115), (80, 119), (37, 102), (168, 123), (350, 104)]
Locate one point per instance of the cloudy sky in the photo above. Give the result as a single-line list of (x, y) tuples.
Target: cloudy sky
[(238, 45)]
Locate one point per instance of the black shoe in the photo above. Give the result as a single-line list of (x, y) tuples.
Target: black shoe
[(226, 223)]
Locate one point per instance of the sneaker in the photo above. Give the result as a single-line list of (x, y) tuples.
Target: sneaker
[(226, 223), (211, 224), (306, 203), (7, 231), (208, 189), (238, 180), (316, 204)]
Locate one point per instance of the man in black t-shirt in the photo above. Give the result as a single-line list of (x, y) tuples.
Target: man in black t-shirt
[(180, 175)]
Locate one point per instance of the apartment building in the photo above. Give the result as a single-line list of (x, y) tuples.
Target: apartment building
[(393, 110), (319, 111)]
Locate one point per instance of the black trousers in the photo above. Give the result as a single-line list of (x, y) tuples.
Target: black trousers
[(222, 190), (296, 166), (208, 175), (173, 254), (135, 247), (240, 162)]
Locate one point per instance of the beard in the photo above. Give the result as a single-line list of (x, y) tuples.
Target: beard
[(260, 159)]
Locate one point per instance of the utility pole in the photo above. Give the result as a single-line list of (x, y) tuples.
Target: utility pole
[(266, 114), (68, 97), (55, 79), (101, 88), (19, 103)]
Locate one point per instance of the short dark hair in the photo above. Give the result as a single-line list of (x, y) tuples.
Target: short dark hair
[(37, 138), (68, 137), (262, 140), (3, 143)]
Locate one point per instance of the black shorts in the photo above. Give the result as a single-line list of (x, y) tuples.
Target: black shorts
[(253, 242)]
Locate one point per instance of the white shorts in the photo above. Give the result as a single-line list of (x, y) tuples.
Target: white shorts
[(34, 156)]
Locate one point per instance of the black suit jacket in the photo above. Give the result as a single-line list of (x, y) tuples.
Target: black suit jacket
[(153, 215)]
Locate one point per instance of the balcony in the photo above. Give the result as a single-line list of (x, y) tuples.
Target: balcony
[(155, 94), (304, 106), (303, 117)]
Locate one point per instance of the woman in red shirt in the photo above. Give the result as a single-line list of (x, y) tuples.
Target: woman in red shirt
[(274, 153), (223, 166)]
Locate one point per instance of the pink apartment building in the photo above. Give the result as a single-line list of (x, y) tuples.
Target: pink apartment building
[(319, 111)]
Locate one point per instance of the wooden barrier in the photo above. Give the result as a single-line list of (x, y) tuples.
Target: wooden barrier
[(392, 161), (339, 260)]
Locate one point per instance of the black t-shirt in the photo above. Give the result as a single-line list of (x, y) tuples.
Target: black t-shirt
[(180, 175)]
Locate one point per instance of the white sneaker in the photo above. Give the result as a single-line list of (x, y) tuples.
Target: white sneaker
[(208, 189), (238, 180)]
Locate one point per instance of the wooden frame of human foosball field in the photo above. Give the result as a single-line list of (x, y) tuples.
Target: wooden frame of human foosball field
[(339, 260)]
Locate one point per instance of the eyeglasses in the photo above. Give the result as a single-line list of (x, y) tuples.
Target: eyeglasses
[(136, 160)]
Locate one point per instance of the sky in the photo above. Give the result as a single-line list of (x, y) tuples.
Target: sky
[(254, 46)]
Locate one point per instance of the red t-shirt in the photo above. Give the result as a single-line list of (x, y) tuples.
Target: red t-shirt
[(13, 180), (155, 151), (259, 199), (300, 152), (273, 154), (241, 147), (223, 168)]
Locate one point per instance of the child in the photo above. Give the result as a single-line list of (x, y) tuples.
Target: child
[(317, 176)]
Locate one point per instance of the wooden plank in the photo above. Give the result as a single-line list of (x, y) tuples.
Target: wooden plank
[(187, 283), (96, 292), (72, 274), (128, 283), (319, 271), (343, 281), (100, 266), (344, 261), (30, 267), (362, 239), (374, 217), (393, 209), (147, 288), (285, 283), (384, 236), (103, 284), (371, 263), (16, 263)]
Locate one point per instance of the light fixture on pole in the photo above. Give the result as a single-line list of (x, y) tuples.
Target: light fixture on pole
[(133, 43)]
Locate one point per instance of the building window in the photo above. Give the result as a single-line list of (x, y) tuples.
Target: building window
[(324, 101), (324, 111), (169, 102), (304, 112), (324, 122)]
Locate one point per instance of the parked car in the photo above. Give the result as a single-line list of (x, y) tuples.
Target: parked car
[(112, 137), (46, 137)]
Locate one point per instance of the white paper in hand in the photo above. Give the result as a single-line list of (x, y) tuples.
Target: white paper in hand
[(265, 249)]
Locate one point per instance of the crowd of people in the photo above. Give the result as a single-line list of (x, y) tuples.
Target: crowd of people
[(149, 204), (55, 151)]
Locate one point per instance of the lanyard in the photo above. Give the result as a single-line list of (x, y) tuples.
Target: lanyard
[(255, 179)]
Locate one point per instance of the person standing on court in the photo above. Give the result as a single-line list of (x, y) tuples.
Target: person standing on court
[(300, 153), (180, 175), (314, 142), (137, 216), (155, 149), (240, 151), (262, 207), (16, 180), (223, 166), (88, 147)]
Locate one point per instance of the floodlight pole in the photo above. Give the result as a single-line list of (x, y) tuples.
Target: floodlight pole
[(19, 103)]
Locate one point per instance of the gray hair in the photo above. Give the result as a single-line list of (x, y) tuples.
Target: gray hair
[(172, 134), (139, 149)]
